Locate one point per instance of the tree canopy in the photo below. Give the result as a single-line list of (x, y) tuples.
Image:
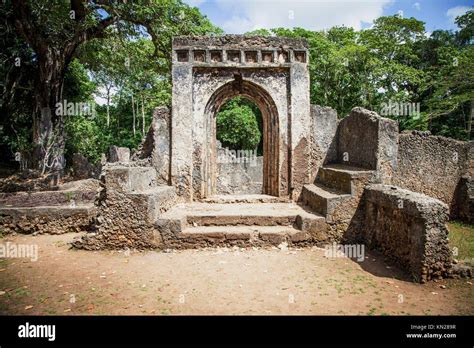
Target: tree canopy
[(119, 53)]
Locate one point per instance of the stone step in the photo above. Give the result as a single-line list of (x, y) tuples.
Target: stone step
[(341, 177), (193, 225), (245, 220), (247, 198), (221, 214), (159, 199), (232, 235), (322, 199)]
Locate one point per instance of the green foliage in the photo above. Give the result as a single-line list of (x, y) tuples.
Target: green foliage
[(128, 66), (122, 48), (395, 62), (461, 236), (466, 28), (239, 124), (77, 86), (85, 137)]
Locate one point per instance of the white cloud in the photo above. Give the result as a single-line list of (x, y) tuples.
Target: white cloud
[(194, 3), (417, 6), (247, 15), (453, 12)]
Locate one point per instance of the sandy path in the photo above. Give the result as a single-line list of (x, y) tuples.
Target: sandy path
[(215, 281)]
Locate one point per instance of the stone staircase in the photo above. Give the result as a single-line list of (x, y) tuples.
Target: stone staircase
[(247, 220), (261, 220), (337, 191)]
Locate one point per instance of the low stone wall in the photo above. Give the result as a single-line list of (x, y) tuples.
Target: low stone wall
[(129, 204), (47, 220), (433, 165), (409, 228), (46, 198), (238, 175), (69, 209)]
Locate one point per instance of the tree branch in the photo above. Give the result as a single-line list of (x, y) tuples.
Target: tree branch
[(24, 24)]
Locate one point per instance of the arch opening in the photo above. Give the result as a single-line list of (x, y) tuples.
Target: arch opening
[(270, 134)]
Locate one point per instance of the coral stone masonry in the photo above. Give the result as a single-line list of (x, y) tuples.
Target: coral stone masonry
[(272, 72), (322, 179)]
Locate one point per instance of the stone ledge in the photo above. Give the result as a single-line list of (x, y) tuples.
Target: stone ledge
[(50, 220), (412, 203), (409, 228)]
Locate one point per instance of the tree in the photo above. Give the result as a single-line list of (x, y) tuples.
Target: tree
[(238, 124), (56, 31)]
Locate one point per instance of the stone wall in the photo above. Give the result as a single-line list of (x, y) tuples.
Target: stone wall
[(69, 209), (464, 198), (323, 137), (156, 146), (240, 178), (272, 72), (366, 140), (47, 220), (408, 228), (433, 165), (129, 204)]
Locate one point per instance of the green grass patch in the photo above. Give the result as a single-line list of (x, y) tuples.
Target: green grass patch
[(461, 236)]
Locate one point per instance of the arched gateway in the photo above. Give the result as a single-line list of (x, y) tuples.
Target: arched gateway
[(340, 174), (271, 160), (209, 71)]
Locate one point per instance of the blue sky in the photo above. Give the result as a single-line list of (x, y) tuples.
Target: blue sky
[(240, 16)]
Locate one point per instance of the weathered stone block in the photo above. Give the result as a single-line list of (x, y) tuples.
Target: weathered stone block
[(272, 238), (368, 141), (157, 144), (119, 154), (434, 165), (81, 167), (324, 128), (128, 179), (409, 228)]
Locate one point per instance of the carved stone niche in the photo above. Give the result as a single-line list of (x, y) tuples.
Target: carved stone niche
[(216, 56), (200, 56), (251, 56), (283, 57), (267, 56), (300, 56), (233, 56), (182, 56)]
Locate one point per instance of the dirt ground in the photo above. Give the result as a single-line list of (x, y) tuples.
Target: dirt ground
[(215, 281)]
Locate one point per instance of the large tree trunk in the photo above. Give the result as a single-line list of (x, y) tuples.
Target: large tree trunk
[(48, 125), (53, 58)]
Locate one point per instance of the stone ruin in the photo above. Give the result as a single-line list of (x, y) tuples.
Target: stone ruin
[(322, 180)]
